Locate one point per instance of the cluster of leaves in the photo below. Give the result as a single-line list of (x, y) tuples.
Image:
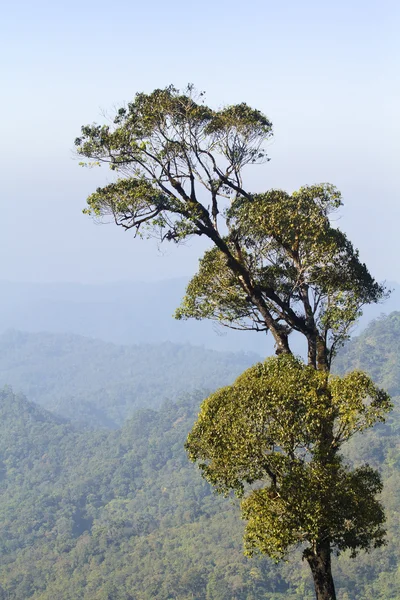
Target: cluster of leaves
[(167, 142), (268, 429), (306, 270)]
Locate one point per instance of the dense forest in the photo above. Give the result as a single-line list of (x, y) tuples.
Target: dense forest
[(99, 513)]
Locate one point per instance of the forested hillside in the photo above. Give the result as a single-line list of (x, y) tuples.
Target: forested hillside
[(101, 384), (115, 515), (376, 350), (122, 514)]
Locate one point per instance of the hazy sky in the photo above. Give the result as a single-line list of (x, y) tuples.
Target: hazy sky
[(325, 73)]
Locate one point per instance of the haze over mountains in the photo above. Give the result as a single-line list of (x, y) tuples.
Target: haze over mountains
[(99, 383), (130, 313)]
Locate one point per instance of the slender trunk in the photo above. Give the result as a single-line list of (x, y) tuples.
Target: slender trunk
[(322, 354), (320, 565), (312, 351)]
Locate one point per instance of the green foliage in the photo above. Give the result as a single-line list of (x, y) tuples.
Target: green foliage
[(268, 428), (215, 293), (297, 260), (312, 500), (169, 143), (357, 404)]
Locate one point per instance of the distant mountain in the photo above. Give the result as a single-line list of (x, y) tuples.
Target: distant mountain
[(100, 383), (132, 313), (123, 313)]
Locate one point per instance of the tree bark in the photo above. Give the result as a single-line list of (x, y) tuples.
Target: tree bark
[(322, 354), (320, 565)]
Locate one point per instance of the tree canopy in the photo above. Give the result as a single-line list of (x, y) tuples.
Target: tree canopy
[(167, 146), (278, 264), (267, 427), (308, 272)]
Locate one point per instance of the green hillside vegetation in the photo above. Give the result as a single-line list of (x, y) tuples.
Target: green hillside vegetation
[(101, 384), (114, 515), (122, 514), (377, 351)]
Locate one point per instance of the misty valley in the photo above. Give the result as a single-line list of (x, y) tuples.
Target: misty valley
[(99, 501)]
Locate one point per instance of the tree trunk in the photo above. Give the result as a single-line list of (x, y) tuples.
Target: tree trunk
[(322, 357), (320, 565)]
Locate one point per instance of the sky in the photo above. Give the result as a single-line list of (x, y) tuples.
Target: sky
[(326, 74)]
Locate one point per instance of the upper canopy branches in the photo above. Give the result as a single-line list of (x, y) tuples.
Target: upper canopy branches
[(171, 144), (306, 271), (278, 265)]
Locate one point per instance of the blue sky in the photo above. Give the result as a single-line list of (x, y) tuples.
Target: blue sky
[(326, 74)]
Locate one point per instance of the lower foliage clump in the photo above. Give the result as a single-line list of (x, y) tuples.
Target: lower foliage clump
[(274, 437)]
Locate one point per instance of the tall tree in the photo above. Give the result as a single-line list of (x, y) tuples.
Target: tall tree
[(277, 263)]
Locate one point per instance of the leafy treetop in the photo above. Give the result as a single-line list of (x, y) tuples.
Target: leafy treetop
[(277, 265), (307, 272), (170, 145), (265, 431)]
